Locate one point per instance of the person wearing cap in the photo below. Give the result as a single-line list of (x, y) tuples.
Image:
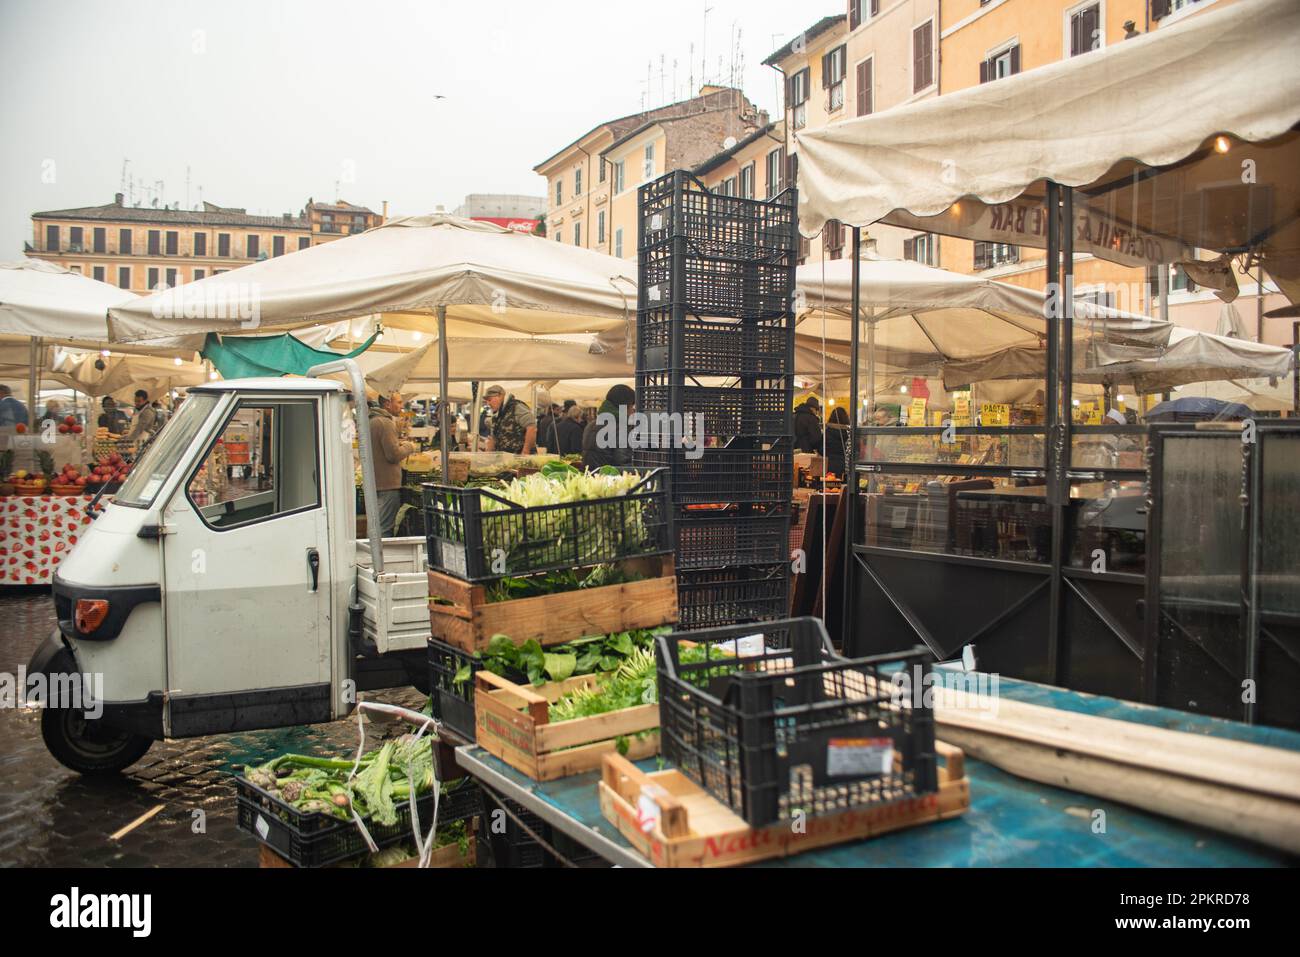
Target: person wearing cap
[(808, 426), (389, 452), (515, 429), (594, 451), (112, 418)]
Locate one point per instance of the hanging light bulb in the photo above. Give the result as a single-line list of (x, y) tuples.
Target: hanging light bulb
[(212, 376), (417, 335), (104, 353), (1222, 144), (177, 360), (902, 388)]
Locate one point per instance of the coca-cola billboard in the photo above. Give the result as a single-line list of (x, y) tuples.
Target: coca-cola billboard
[(518, 225)]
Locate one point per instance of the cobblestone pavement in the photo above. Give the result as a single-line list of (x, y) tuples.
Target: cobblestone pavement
[(50, 816)]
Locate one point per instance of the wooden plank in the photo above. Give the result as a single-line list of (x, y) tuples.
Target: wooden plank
[(612, 724), (954, 759), (562, 764)]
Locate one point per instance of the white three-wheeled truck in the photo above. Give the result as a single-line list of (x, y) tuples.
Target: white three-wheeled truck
[(208, 598)]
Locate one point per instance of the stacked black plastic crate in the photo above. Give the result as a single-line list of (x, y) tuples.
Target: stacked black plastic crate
[(715, 354)]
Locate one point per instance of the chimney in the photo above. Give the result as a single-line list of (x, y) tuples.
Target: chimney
[(117, 199), (383, 217)]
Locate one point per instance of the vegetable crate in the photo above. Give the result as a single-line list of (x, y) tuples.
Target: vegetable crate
[(784, 726), (671, 340), (732, 536), (513, 722), (503, 843), (461, 614), (715, 286), (710, 597), (759, 406), (478, 536), (752, 470), (317, 839), (674, 822), (453, 701), (679, 207)]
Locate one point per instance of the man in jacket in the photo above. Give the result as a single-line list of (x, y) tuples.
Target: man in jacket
[(808, 426), (389, 452), (146, 421), (515, 429), (597, 447)]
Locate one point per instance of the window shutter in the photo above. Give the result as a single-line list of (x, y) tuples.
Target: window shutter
[(855, 13), (982, 255), (793, 164), (916, 60), (875, 7), (986, 70), (1159, 9), (826, 71), (1015, 59), (909, 249), (864, 87)]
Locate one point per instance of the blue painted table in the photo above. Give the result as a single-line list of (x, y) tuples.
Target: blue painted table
[(1012, 822)]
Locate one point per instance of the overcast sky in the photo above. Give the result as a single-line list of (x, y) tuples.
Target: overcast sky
[(268, 102)]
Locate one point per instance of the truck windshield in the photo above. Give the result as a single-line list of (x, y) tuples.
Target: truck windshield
[(160, 459)]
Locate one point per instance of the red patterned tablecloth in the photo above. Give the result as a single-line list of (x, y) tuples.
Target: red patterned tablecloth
[(36, 531)]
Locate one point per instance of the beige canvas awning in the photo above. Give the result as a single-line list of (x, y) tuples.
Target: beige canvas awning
[(39, 298), (973, 163)]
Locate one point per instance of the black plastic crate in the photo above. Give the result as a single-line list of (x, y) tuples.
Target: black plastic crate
[(512, 847), (317, 839), (784, 726), (757, 406), (725, 596), (732, 536), (747, 470), (466, 535), (453, 702), (677, 205), (715, 287), (671, 341)]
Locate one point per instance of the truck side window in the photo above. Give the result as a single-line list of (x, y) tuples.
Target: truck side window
[(263, 464)]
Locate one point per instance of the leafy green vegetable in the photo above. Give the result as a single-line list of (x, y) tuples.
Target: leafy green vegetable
[(584, 656)]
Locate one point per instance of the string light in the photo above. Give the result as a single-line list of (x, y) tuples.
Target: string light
[(177, 360), (1221, 144)]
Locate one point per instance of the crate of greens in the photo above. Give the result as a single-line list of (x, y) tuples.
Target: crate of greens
[(774, 724), (558, 518), (554, 606), (302, 806)]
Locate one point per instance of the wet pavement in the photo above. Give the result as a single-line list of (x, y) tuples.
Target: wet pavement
[(50, 816)]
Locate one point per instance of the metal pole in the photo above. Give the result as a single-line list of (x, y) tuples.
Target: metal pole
[(33, 382), (442, 394), (1053, 394), (1060, 541), (847, 629)]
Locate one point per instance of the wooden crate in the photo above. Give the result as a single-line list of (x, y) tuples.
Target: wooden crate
[(527, 740), (684, 826), (470, 621), (448, 856)]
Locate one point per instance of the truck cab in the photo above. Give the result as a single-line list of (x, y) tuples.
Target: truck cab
[(222, 592)]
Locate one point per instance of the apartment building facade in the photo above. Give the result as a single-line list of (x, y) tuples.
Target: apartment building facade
[(145, 248), (592, 182)]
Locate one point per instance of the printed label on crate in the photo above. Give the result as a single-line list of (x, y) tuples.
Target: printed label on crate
[(261, 827), (859, 756), (898, 516), (654, 294), (746, 647), (452, 556), (656, 222), (648, 813)]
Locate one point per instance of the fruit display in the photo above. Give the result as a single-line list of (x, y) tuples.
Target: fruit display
[(109, 469)]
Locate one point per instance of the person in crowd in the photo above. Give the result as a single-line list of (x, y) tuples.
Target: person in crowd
[(837, 441), (595, 437), (808, 425), (145, 423), (545, 421), (12, 410), (389, 452), (569, 430), (515, 429), (112, 418), (53, 412)]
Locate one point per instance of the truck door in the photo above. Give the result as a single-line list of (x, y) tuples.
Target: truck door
[(247, 575)]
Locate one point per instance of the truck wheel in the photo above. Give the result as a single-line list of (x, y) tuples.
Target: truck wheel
[(88, 746)]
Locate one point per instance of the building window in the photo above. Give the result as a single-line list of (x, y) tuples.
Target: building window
[(577, 181), (600, 166), (171, 278), (797, 95), (218, 272), (1083, 29), (173, 242), (618, 242), (51, 239), (600, 227), (922, 249), (155, 245), (559, 191), (123, 277), (277, 245), (199, 274), (304, 242), (866, 78), (1097, 296), (559, 235), (1163, 8), (100, 239), (727, 187), (1001, 64), (251, 246), (124, 242), (775, 171), (988, 255), (833, 78), (153, 277), (618, 177), (833, 238), (923, 56), (200, 244), (805, 248), (76, 269), (75, 239), (747, 181), (577, 234), (358, 225), (648, 162), (97, 272)]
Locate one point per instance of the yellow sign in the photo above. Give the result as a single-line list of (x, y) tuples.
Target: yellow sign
[(961, 411), (916, 415), (995, 413)]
